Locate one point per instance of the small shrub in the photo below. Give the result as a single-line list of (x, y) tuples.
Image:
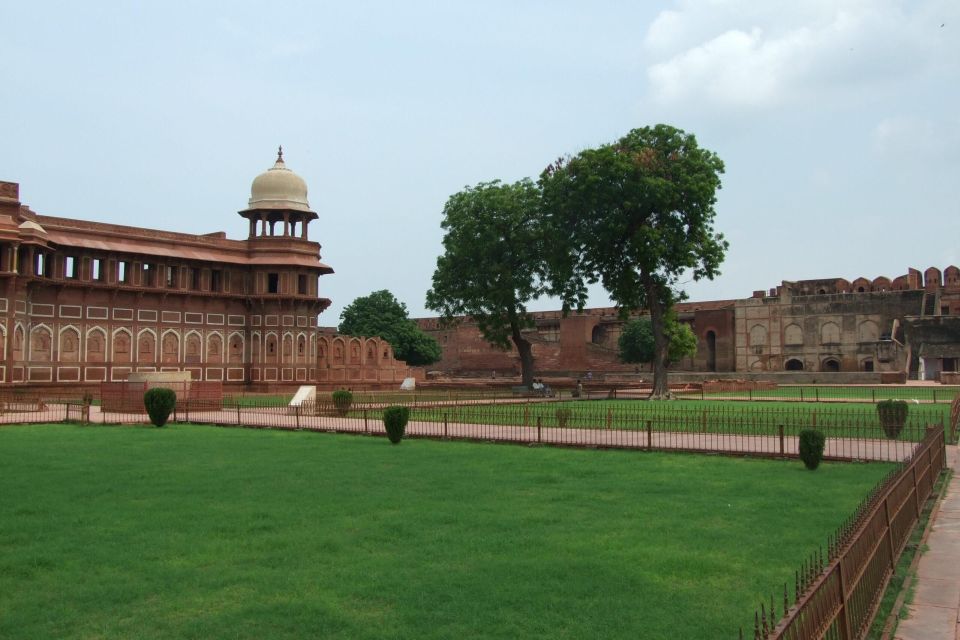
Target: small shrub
[(893, 416), (563, 417), (159, 403), (811, 447), (342, 399), (395, 421)]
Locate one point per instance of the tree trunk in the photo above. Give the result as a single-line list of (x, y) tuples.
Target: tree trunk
[(526, 354), (661, 345)]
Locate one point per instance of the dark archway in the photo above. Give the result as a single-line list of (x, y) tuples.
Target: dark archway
[(793, 365), (598, 335), (868, 365), (711, 351), (830, 365)]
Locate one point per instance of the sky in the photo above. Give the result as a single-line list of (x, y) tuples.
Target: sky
[(838, 120)]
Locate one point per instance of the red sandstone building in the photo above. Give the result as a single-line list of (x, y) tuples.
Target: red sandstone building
[(85, 302), (869, 330)]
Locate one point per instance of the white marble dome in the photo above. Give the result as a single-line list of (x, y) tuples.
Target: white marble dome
[(279, 188)]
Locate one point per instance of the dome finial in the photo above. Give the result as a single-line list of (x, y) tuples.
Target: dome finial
[(280, 153)]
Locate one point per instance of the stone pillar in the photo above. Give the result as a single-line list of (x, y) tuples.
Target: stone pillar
[(253, 226), (286, 224), (303, 229)]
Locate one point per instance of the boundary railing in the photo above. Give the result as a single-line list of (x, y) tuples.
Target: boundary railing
[(836, 595), (852, 432), (824, 393)]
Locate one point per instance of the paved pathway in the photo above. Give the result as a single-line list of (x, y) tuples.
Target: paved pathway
[(935, 612)]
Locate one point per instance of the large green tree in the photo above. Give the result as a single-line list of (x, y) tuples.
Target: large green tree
[(381, 314), (636, 342), (636, 215), (492, 264)]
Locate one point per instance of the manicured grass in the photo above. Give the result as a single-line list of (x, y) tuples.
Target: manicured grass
[(847, 392), (199, 532), (715, 416)]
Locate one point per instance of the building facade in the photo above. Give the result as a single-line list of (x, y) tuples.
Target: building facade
[(905, 327), (86, 302)]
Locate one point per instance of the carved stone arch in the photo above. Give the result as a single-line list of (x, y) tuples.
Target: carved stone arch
[(193, 347), (271, 347), (41, 343), (323, 350), (214, 352), (18, 342), (96, 344), (68, 344), (147, 346), (170, 347), (287, 347), (868, 331), (312, 338), (757, 365), (793, 364), (387, 350), (830, 364), (830, 333), (3, 337), (861, 285), (338, 351), (356, 348), (758, 335), (121, 345), (235, 346), (793, 335), (371, 350), (302, 350), (256, 347)]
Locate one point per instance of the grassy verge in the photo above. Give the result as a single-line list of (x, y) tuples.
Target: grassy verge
[(196, 532), (714, 416)]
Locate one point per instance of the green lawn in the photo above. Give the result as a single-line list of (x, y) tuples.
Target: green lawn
[(713, 416), (200, 532), (845, 392)]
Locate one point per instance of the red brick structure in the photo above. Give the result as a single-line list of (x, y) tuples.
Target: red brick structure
[(85, 302), (909, 326)]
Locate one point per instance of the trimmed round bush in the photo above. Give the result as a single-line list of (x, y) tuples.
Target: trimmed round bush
[(159, 403), (893, 417), (342, 400), (811, 447), (395, 421)]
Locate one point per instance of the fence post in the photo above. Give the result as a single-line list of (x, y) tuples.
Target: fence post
[(893, 552), (296, 412), (649, 435), (444, 426), (845, 630), (749, 394), (873, 395), (801, 394), (238, 413), (816, 392), (916, 489), (780, 430), (366, 428), (539, 435), (609, 418), (934, 396)]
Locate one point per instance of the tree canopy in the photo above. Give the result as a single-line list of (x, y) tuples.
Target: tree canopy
[(381, 314), (636, 215), (636, 342), (493, 262)]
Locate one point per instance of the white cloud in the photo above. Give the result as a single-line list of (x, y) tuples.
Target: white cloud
[(740, 53)]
